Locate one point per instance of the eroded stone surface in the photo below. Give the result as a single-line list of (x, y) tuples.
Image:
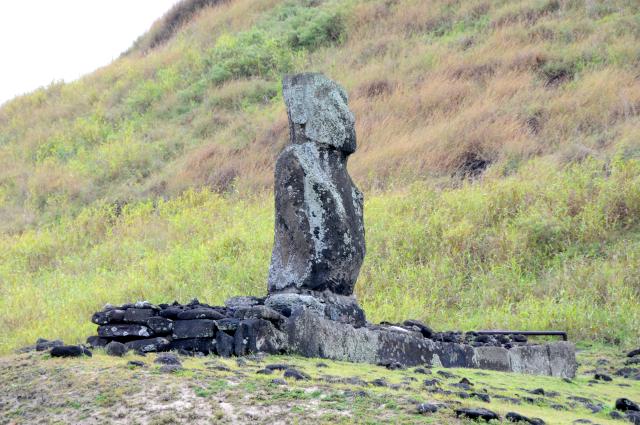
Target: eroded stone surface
[(319, 231)]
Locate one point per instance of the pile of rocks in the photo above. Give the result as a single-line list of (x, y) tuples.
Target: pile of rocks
[(242, 326)]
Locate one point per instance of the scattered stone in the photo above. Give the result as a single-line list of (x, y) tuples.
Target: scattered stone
[(70, 351), (537, 391), (277, 366), (265, 372), (167, 359), (391, 365), (477, 413), (44, 344), (627, 372), (170, 368), (481, 396), (445, 374), (517, 417), (322, 365), (379, 382), (633, 417), (425, 330), (115, 348), (615, 415), (465, 381), (296, 374), (278, 381), (431, 382), (424, 408), (625, 405), (603, 377), (152, 345), (240, 362), (633, 353), (135, 363)]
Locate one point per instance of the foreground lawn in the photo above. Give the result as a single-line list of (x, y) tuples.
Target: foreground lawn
[(35, 388)]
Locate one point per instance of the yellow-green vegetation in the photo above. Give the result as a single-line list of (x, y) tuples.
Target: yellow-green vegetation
[(210, 390), (499, 149)]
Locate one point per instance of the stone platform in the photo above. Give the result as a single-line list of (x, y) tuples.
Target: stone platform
[(245, 325)]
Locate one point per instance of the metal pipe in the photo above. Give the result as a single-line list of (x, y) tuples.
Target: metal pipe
[(542, 333)]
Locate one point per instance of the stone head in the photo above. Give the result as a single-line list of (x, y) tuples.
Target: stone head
[(318, 111)]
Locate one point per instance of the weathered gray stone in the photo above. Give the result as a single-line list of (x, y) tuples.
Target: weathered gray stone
[(493, 358), (312, 335), (259, 312), (258, 336), (319, 232), (242, 302), (340, 308), (287, 303), (562, 359), (532, 359)]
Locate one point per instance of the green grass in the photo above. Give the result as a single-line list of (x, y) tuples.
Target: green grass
[(150, 178), (104, 388), (540, 249)]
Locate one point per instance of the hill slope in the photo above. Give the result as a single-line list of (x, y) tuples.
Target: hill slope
[(499, 147)]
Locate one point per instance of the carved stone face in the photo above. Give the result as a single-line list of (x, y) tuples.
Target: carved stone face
[(318, 107)]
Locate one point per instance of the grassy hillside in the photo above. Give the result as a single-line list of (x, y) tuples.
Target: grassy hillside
[(499, 151)]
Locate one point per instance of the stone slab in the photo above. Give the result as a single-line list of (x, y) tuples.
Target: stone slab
[(313, 336)]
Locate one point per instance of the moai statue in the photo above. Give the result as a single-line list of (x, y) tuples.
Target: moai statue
[(319, 231)]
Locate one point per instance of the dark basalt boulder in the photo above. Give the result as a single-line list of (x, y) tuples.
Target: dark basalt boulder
[(44, 344), (625, 405), (319, 231), (517, 417), (152, 345), (200, 328), (115, 348), (477, 413), (138, 315), (424, 408), (70, 351), (224, 344), (160, 325), (194, 345), (96, 341)]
